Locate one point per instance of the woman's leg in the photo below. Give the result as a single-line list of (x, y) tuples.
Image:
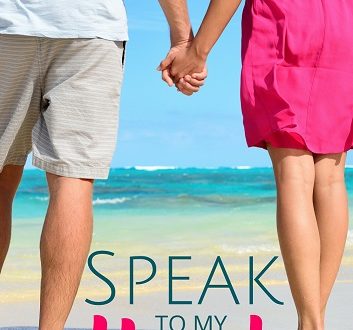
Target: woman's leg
[(331, 209), (298, 231)]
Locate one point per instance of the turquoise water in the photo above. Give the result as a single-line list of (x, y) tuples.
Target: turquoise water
[(151, 191), (174, 190)]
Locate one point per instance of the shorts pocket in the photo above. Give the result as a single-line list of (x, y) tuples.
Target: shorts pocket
[(124, 53), (122, 46)]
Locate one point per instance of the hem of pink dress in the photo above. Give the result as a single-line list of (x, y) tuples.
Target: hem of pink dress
[(292, 140)]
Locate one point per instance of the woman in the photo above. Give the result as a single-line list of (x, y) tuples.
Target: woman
[(297, 102)]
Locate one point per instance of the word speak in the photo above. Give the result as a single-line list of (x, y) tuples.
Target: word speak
[(172, 278)]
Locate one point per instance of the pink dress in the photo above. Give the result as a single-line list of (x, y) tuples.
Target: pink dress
[(297, 74)]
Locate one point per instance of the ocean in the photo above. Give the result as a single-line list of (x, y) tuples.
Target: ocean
[(153, 189)]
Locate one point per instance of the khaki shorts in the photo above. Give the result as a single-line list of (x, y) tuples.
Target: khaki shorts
[(60, 98)]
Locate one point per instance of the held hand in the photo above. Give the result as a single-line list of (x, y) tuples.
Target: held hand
[(165, 64), (190, 83), (186, 61)]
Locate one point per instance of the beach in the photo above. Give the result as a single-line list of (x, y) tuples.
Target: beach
[(156, 213)]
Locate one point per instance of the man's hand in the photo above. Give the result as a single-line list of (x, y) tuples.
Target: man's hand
[(187, 62), (188, 84), (165, 64)]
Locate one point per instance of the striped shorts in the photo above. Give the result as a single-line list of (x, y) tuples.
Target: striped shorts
[(60, 99)]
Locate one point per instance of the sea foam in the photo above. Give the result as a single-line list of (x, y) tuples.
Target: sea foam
[(154, 168), (112, 201)]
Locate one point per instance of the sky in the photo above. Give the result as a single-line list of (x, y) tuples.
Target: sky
[(160, 127)]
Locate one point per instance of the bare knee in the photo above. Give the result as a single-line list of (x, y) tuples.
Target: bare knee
[(298, 177), (329, 171), (64, 186), (294, 170), (329, 180)]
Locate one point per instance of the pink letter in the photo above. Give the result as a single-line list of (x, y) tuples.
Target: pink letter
[(255, 322), (99, 323), (127, 324)]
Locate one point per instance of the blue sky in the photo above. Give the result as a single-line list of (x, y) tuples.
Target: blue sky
[(159, 126)]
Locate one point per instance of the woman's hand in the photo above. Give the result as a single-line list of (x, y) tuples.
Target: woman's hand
[(192, 83)]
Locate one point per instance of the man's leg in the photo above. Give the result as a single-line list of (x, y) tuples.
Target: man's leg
[(64, 247), (10, 178), (74, 138)]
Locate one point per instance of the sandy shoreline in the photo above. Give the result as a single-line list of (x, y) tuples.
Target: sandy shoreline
[(218, 302)]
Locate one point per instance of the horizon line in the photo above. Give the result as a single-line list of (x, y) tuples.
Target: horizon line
[(171, 167)]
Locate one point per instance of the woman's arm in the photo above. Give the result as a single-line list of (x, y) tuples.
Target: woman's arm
[(193, 59), (218, 15)]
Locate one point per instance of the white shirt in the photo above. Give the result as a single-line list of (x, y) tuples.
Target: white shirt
[(65, 18)]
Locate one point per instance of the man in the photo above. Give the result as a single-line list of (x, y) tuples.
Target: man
[(61, 69)]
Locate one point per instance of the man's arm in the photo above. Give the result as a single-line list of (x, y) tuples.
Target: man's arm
[(176, 12)]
